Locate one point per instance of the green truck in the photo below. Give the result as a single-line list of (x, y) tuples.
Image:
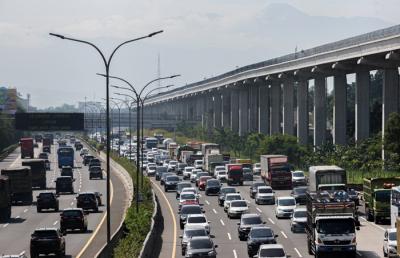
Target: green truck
[(5, 199), (377, 197), (20, 184), (38, 171)]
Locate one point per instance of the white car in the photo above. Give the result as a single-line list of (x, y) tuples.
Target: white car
[(285, 207), (271, 251), (231, 197), (237, 208), (298, 178), (265, 194), (151, 169), (193, 175), (187, 172), (172, 165), (198, 220), (191, 190), (257, 169), (187, 198), (390, 243), (198, 163), (221, 175), (299, 220), (219, 168)]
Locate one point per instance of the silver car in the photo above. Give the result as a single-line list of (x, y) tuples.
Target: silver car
[(299, 220), (390, 243)]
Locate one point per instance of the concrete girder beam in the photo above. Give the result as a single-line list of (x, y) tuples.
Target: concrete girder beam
[(378, 64)]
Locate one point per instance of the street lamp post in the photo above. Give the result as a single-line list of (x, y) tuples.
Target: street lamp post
[(107, 64), (119, 125)]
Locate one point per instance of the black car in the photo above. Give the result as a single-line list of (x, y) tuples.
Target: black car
[(253, 188), (47, 200), (247, 174), (87, 201), (299, 193), (78, 145), (257, 236), (186, 210), (160, 170), (67, 171), (164, 176), (180, 186), (246, 222), (64, 184), (201, 246), (73, 218), (213, 186), (95, 172), (87, 159), (171, 183), (94, 163), (222, 193), (181, 167), (47, 241), (190, 232)]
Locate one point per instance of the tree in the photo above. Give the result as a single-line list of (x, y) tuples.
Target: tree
[(392, 139)]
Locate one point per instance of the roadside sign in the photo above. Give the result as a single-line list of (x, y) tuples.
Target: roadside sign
[(49, 121)]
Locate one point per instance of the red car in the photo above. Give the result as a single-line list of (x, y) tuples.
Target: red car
[(202, 182)]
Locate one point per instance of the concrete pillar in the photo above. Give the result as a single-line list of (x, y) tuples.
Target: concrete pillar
[(210, 113), (203, 110), (226, 108), (302, 112), (288, 107), (263, 107), (275, 107), (362, 105), (339, 109), (235, 110), (243, 111), (217, 109), (320, 111), (253, 107), (185, 108)]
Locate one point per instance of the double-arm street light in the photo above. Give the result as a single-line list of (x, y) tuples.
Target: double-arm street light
[(119, 124), (107, 63)]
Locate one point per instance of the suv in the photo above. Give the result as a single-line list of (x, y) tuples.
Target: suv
[(254, 186), (265, 194), (180, 186), (64, 184), (87, 159), (186, 210), (94, 162), (188, 233), (257, 236), (200, 246), (73, 218), (181, 167), (247, 221), (164, 177), (47, 241), (171, 183), (95, 172), (223, 192), (213, 186), (160, 170), (67, 171), (87, 201), (47, 200)]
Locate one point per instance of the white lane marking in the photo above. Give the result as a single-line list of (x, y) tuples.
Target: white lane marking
[(25, 210), (17, 217), (259, 210), (358, 253), (215, 211), (55, 222), (298, 253), (207, 202), (283, 234), (270, 220), (373, 224), (229, 236), (234, 253), (5, 225), (222, 222)]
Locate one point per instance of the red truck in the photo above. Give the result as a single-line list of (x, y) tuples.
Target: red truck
[(235, 174), (275, 171), (26, 147)]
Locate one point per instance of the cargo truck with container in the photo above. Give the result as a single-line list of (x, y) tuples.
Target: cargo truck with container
[(26, 148), (38, 171), (185, 156), (211, 160), (5, 198), (207, 148), (234, 174), (377, 196), (328, 178), (20, 184), (331, 225), (276, 171)]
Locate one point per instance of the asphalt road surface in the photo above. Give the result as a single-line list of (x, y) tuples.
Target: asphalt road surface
[(369, 238)]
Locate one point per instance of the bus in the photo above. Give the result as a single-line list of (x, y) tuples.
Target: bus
[(394, 205), (151, 142), (65, 156)]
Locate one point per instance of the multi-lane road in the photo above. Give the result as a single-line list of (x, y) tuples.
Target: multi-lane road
[(369, 238), (15, 234)]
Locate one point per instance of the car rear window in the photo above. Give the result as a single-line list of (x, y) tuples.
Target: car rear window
[(197, 220), (191, 210), (72, 213), (251, 220), (272, 252), (195, 232), (201, 244), (172, 178), (239, 204), (46, 233)]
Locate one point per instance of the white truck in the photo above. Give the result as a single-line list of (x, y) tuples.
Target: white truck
[(211, 160), (329, 178), (185, 155)]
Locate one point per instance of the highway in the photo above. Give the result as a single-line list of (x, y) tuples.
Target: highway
[(15, 234), (369, 238)]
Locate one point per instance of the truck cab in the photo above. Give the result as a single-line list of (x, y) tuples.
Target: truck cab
[(235, 174)]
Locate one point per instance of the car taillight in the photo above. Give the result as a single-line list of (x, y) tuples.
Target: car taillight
[(319, 241)]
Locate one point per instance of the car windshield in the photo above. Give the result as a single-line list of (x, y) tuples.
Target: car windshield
[(172, 178), (219, 168), (72, 213), (300, 214), (287, 202), (221, 173), (261, 232), (382, 196), (197, 220), (264, 190), (188, 169), (235, 172), (188, 197), (251, 220), (233, 197), (393, 236), (246, 170), (181, 186), (191, 210), (272, 252), (151, 167), (335, 226), (256, 185), (298, 174), (239, 204), (46, 195), (162, 169), (300, 190), (195, 232), (213, 183), (200, 244), (173, 162)]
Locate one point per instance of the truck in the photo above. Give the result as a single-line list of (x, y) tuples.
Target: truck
[(211, 160), (26, 148), (65, 156), (377, 192), (235, 174), (38, 138), (50, 136), (172, 146), (38, 171), (331, 225), (194, 157), (329, 178), (46, 145), (276, 171), (151, 142), (5, 198), (207, 148), (185, 155), (245, 162), (20, 184), (184, 149)]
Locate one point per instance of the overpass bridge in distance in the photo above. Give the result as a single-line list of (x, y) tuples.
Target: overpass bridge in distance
[(261, 97)]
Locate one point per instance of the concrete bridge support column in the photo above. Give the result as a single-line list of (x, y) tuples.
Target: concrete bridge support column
[(217, 109), (203, 104), (302, 112), (275, 107), (339, 109), (210, 113), (263, 108), (185, 109), (362, 105), (226, 108), (320, 111), (253, 107), (243, 111), (288, 107), (235, 110)]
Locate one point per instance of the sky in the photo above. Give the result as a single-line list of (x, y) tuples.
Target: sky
[(201, 39)]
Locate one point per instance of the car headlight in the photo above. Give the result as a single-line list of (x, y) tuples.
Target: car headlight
[(212, 253)]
